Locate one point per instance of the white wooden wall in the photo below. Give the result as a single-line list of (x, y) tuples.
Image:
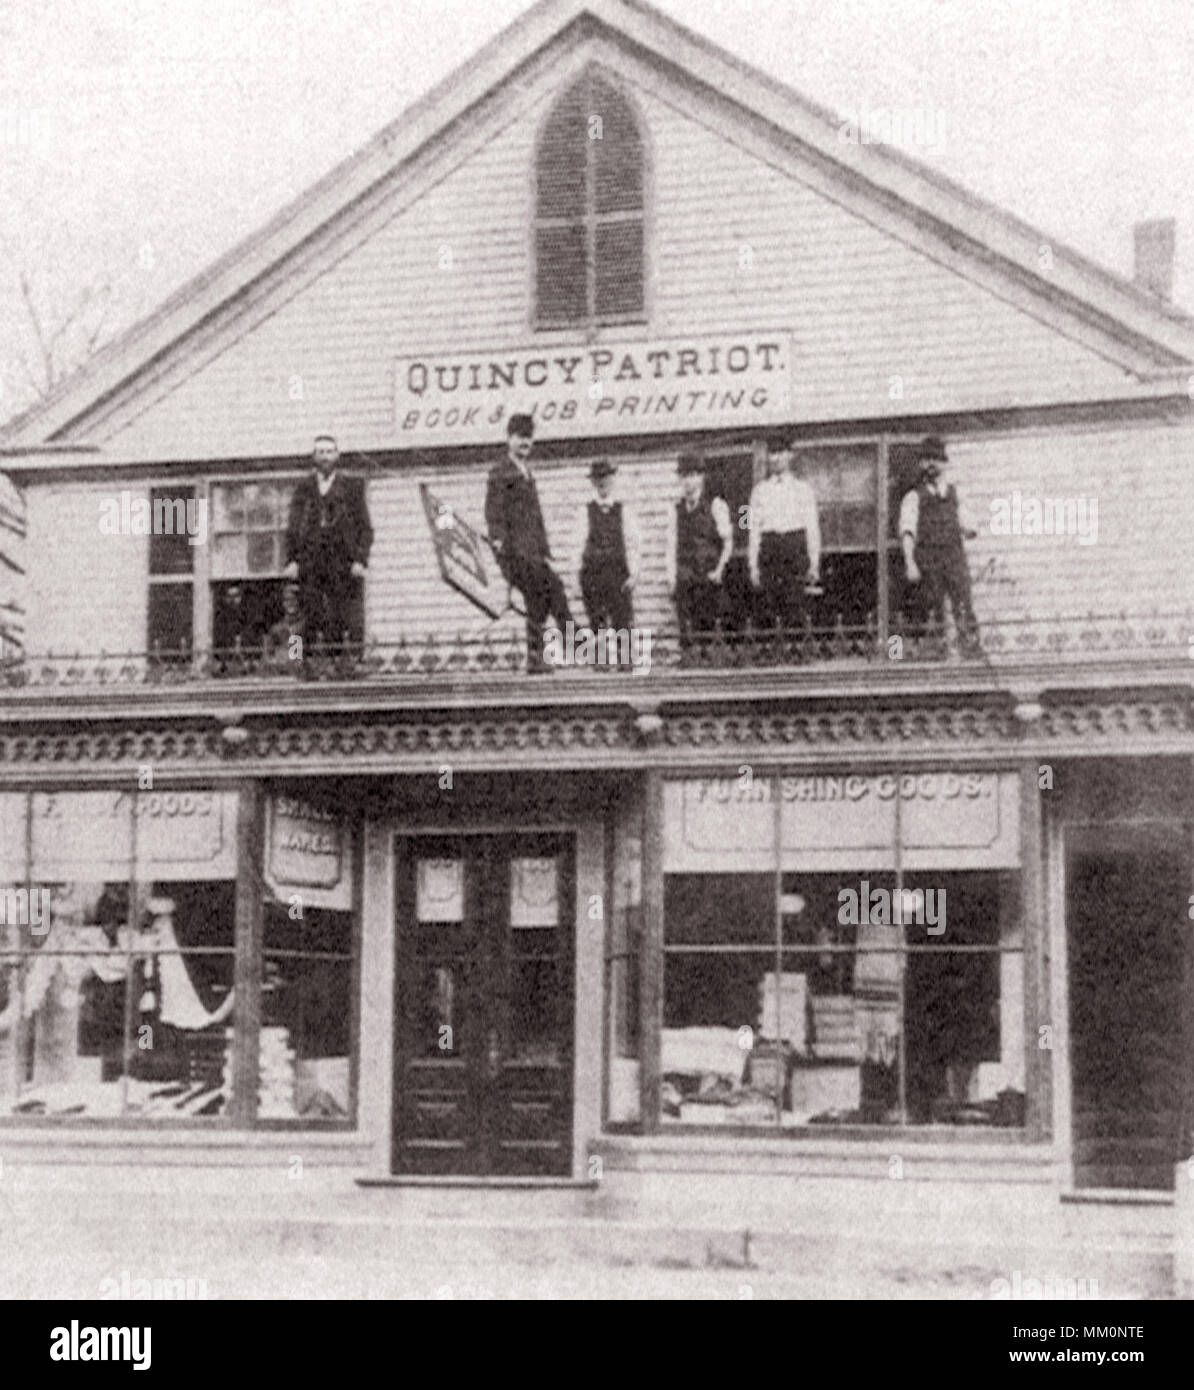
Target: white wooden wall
[(88, 591), (737, 241)]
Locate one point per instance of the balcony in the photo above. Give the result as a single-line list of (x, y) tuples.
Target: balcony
[(1104, 650)]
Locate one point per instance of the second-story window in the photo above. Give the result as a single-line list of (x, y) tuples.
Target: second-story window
[(844, 480), (589, 249), (171, 574), (248, 555)]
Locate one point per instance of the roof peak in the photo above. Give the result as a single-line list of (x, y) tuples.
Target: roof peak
[(1090, 290)]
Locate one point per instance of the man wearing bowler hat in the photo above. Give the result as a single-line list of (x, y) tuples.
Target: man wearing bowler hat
[(700, 542), (610, 553), (931, 539), (514, 520)]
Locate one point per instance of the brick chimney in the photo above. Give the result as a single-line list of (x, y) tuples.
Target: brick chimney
[(1155, 242)]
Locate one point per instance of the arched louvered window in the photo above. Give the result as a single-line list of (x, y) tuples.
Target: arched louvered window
[(589, 210)]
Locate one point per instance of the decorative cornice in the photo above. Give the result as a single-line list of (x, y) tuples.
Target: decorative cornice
[(615, 737), (1114, 721), (843, 728)]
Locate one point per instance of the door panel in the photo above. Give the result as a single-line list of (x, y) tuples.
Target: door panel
[(1124, 914), (483, 1007)]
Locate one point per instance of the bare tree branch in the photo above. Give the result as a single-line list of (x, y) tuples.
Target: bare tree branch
[(85, 321)]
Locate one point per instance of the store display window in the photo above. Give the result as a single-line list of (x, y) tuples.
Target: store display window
[(309, 969), (117, 986), (852, 955), (122, 978)]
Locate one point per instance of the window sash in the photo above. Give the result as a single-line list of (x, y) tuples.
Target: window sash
[(589, 221), (246, 954), (1010, 939)]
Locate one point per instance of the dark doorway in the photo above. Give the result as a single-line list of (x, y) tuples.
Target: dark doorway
[(1127, 890)]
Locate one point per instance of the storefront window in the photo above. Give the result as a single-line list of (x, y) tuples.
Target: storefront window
[(309, 966), (852, 956), (118, 949), (120, 966)]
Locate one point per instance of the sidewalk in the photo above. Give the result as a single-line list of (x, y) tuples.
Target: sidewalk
[(90, 1233)]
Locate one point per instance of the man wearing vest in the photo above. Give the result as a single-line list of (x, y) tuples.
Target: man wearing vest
[(610, 555), (699, 544), (785, 543), (934, 557), (328, 538), (514, 520)]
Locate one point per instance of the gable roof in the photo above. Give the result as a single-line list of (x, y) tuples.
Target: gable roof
[(1159, 333)]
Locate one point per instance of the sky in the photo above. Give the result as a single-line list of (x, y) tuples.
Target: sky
[(140, 139)]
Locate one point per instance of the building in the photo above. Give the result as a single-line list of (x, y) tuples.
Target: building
[(436, 916)]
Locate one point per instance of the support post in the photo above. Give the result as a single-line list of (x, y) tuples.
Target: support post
[(1038, 1075), (651, 958)]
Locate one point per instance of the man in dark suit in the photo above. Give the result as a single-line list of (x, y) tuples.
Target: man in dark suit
[(328, 539), (514, 520)]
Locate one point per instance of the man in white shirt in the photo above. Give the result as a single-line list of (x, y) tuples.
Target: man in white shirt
[(934, 557), (785, 543), (609, 553), (700, 542)]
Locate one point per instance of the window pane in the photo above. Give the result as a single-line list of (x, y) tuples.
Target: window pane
[(262, 552), (171, 620), (561, 162), (259, 507), (718, 909), (561, 278), (534, 889), (228, 507), (248, 613), (618, 155), (306, 1014), (619, 269), (230, 556), (711, 1006), (439, 893), (844, 480), (850, 590), (305, 1038), (117, 1018), (170, 550)]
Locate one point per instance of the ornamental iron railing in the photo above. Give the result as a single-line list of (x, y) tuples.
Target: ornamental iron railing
[(1092, 640)]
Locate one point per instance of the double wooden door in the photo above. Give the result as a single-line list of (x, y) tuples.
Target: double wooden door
[(484, 1004)]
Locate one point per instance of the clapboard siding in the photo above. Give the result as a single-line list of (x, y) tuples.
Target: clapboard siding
[(406, 596), (734, 243), (13, 598), (1140, 478), (1143, 482), (87, 591)]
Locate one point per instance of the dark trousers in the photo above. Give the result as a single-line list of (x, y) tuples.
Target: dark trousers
[(543, 594), (783, 569), (698, 606), (329, 602), (607, 603), (946, 575)]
